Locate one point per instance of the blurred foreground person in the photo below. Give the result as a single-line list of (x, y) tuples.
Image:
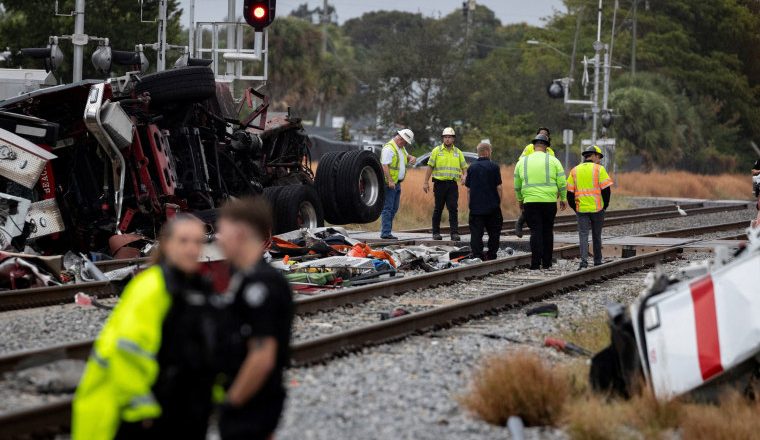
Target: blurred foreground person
[(151, 369), (257, 324), (483, 183)]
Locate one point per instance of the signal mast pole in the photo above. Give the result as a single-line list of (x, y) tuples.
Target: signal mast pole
[(78, 39)]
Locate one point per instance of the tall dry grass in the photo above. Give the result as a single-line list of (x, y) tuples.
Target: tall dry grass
[(417, 206), (734, 419), (517, 384)]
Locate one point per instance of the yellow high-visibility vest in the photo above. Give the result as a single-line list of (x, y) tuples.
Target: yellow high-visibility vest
[(122, 368), (540, 178), (586, 182), (447, 163), (528, 150), (398, 154)]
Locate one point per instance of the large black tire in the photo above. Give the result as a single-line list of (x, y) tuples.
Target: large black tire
[(271, 194), (325, 183), (182, 85), (360, 180), (297, 206)]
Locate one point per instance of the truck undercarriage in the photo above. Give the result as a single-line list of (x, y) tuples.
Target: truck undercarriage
[(99, 166)]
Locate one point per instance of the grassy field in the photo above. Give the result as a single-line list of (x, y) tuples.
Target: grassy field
[(417, 207)]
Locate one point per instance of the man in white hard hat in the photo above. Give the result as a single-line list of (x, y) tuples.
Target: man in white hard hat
[(394, 159), (448, 167)]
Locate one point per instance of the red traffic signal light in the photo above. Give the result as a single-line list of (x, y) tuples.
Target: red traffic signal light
[(259, 13)]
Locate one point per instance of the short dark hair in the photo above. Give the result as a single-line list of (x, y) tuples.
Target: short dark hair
[(540, 129), (253, 211)]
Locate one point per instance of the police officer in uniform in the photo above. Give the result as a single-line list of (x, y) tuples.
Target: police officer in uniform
[(448, 167), (259, 319)]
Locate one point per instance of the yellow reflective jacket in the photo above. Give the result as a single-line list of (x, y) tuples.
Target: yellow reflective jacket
[(540, 178), (117, 381), (447, 164), (528, 150), (586, 182)]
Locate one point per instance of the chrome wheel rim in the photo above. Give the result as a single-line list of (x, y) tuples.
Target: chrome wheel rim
[(307, 216), (369, 186)]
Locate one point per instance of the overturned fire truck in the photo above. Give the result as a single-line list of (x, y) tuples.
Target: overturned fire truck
[(691, 333), (99, 165)]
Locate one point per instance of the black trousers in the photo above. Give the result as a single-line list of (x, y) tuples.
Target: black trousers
[(446, 192), (491, 223), (540, 218), (249, 422)]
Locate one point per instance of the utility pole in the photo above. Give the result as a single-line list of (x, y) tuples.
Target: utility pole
[(469, 9), (79, 39), (191, 29), (325, 21), (161, 50), (633, 42), (598, 47), (579, 16), (231, 14)]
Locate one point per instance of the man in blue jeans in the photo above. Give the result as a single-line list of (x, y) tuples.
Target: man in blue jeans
[(394, 159)]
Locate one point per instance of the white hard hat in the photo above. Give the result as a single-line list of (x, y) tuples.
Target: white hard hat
[(448, 131), (407, 135)]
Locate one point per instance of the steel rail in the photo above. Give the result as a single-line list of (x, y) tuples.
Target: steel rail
[(44, 421), (57, 415), (321, 348), (353, 295), (45, 296), (571, 217), (685, 232), (39, 356), (628, 219)]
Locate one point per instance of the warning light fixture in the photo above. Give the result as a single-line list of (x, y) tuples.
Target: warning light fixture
[(259, 13)]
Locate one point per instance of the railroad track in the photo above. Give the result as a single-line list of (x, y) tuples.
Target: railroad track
[(465, 229), (616, 220), (57, 415), (318, 349), (45, 296)]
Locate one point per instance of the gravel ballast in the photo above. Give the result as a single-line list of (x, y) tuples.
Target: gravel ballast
[(409, 390)]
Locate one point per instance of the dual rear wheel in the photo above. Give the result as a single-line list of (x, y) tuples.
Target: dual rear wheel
[(350, 186)]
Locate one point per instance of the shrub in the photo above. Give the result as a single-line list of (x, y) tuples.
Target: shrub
[(735, 419), (517, 384)]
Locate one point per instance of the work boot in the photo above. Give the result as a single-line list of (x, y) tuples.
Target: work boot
[(389, 237), (437, 237), (455, 237), (583, 265), (519, 226)]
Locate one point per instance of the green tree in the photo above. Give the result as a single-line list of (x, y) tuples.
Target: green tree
[(295, 63), (29, 23)]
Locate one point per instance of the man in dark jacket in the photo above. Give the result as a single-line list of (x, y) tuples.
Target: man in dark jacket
[(483, 184), (259, 320)]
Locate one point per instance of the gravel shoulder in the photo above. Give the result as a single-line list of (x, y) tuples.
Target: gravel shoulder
[(408, 390)]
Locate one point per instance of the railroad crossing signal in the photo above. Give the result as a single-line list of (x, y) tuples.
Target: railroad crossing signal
[(259, 13)]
